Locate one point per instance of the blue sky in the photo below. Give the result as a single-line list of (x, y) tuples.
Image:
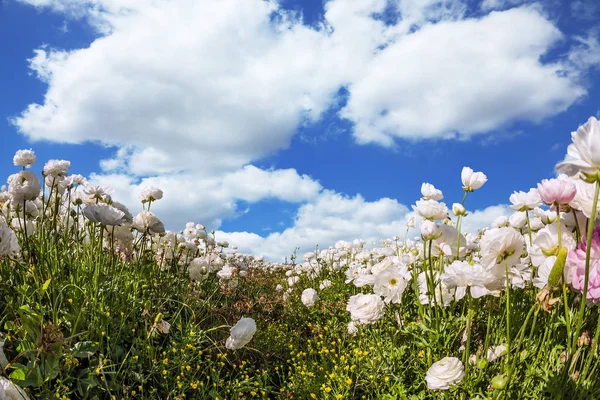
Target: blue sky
[(281, 131)]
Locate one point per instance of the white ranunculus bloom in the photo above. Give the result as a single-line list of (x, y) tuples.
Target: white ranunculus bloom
[(352, 328), (518, 220), (309, 297), (56, 168), (472, 180), (241, 334), (443, 295), (500, 222), (226, 272), (24, 158), (104, 214), (365, 308), (447, 242), (481, 281), (545, 243), (147, 222), (325, 284), (500, 245), (391, 283), (10, 391), (543, 272), (431, 209), (523, 201), (495, 352), (150, 193), (444, 373), (583, 155), (8, 241), (23, 186), (430, 192), (430, 230)]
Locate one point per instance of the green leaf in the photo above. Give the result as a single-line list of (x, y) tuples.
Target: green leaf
[(84, 349), (19, 374)]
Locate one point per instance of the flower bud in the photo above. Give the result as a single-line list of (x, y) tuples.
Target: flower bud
[(559, 265), (458, 210), (429, 230), (499, 381)]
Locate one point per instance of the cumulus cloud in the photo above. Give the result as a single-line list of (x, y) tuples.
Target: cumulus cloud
[(332, 217), (226, 82), (210, 199)]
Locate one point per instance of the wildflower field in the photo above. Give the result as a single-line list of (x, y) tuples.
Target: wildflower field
[(96, 303)]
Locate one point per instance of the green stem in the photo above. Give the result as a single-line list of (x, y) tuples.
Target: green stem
[(588, 250)]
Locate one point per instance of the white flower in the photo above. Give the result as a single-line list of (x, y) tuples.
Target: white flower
[(292, 280), (8, 241), (147, 222), (160, 326), (447, 242), (352, 328), (443, 295), (481, 281), (325, 284), (104, 214), (24, 158), (472, 180), (391, 283), (522, 201), (241, 333), (444, 373), (500, 245), (309, 297), (56, 168), (24, 185), (198, 269), (495, 352), (584, 153), (518, 219), (279, 288), (430, 230), (150, 194), (543, 272), (10, 391), (500, 222), (545, 244), (430, 192), (411, 222), (226, 272), (431, 209), (365, 308), (458, 209)]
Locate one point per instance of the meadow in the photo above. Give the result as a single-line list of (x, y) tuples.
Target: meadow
[(98, 303)]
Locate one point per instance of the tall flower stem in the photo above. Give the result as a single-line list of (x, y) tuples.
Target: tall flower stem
[(508, 317), (529, 227), (588, 252), (564, 284), (470, 313)]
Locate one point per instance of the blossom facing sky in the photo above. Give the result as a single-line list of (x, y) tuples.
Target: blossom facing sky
[(286, 136)]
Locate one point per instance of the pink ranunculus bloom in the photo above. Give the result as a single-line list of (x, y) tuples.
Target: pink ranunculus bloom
[(576, 268), (557, 191)]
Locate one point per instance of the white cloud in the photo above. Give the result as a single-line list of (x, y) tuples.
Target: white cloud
[(487, 5), (327, 219), (206, 199), (468, 77), (227, 82), (480, 219), (332, 217)]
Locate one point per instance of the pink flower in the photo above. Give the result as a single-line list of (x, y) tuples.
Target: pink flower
[(576, 268), (557, 191)]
